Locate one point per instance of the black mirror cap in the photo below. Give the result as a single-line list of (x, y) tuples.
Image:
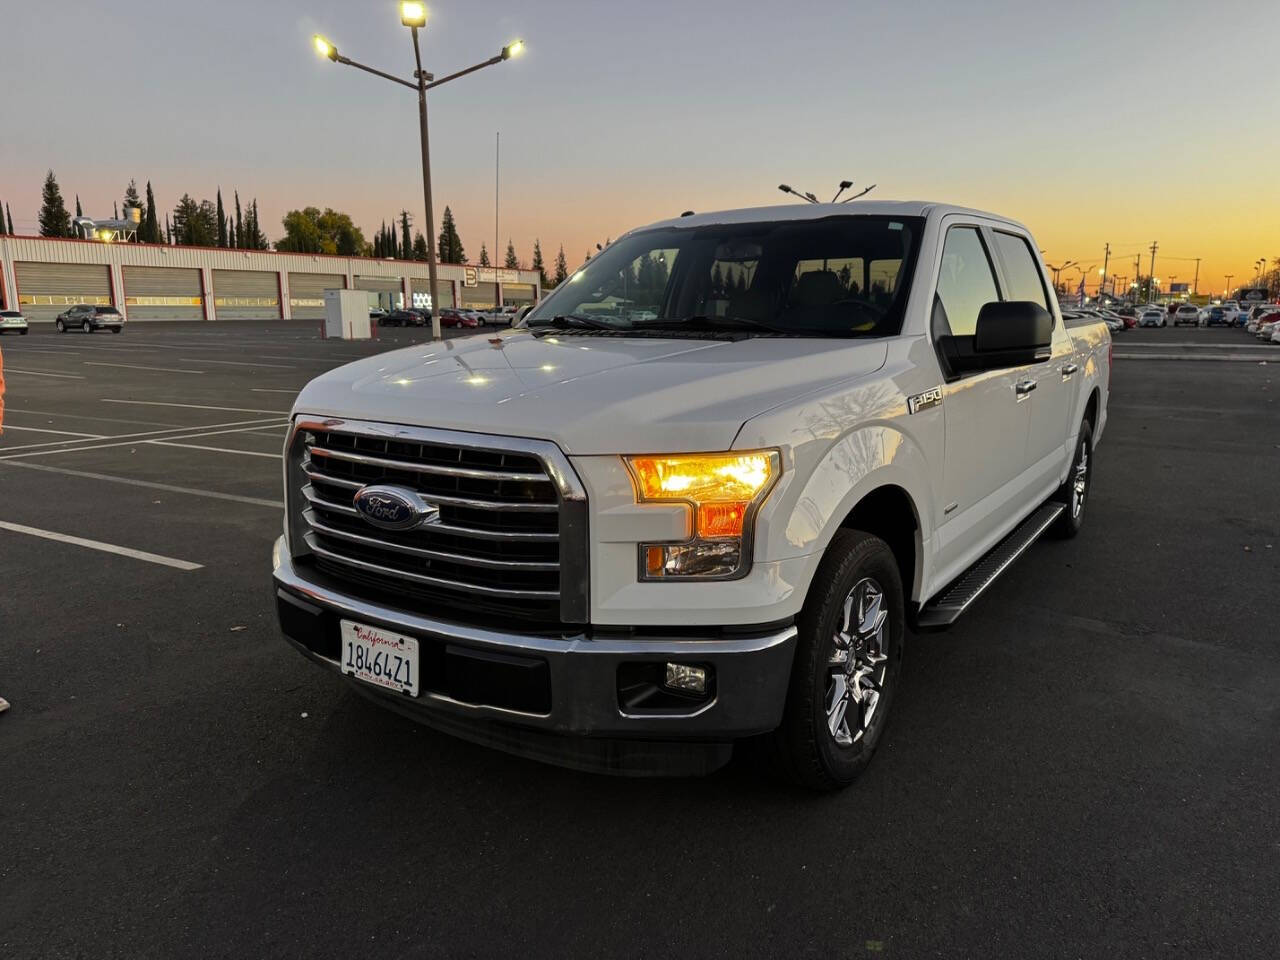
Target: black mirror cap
[(1009, 325)]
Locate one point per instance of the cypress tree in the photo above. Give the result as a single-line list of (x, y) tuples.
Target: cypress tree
[(2, 230), (512, 262), (222, 221), (419, 246), (168, 231), (562, 267), (54, 219), (239, 223), (537, 263), (484, 256), (9, 210), (79, 212), (406, 242), (150, 223), (115, 209)]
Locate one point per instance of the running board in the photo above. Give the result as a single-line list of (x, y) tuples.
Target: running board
[(944, 609)]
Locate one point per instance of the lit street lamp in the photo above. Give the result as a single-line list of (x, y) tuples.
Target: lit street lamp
[(414, 16)]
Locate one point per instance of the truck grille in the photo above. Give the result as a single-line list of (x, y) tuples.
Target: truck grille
[(509, 543)]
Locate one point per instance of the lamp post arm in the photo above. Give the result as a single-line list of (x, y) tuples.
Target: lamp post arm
[(462, 73), (377, 73)]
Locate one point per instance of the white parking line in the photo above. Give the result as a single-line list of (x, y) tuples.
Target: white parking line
[(196, 446), (60, 353), (9, 411), (104, 547), (235, 363), (134, 366), (148, 484), (186, 433), (272, 390), (65, 433), (44, 373), (194, 406)]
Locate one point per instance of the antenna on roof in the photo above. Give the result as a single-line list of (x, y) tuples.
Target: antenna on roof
[(803, 196), (857, 195)]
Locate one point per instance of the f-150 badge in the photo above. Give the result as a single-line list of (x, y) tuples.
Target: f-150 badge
[(923, 401)]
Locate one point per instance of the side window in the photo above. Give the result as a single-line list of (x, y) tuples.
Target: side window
[(1020, 270), (965, 283)]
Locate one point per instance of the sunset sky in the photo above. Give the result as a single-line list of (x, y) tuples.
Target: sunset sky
[(1090, 122)]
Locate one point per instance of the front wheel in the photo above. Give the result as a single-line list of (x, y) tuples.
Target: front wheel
[(87, 327), (1074, 493), (59, 325), (847, 664), (115, 329)]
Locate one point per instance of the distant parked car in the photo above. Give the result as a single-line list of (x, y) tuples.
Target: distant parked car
[(1217, 317), (1153, 317), (452, 317), (1187, 313), (89, 318), (401, 318), (11, 321)]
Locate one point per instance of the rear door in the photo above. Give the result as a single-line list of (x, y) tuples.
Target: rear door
[(1054, 384), (986, 420)]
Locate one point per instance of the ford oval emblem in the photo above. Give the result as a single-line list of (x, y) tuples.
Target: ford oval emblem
[(394, 508)]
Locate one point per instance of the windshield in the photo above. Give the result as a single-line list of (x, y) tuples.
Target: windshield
[(839, 276)]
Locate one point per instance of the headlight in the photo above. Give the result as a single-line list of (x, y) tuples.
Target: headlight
[(724, 491)]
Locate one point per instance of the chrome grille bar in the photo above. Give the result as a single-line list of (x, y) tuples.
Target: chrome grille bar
[(321, 477), (313, 497), (432, 468)]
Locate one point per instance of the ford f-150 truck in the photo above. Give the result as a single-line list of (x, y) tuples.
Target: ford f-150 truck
[(702, 491)]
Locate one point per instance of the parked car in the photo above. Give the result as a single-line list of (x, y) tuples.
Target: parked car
[(89, 318), (1217, 317), (402, 318), (1153, 317), (697, 562), (452, 317), (12, 321), (1267, 328), (1187, 313)]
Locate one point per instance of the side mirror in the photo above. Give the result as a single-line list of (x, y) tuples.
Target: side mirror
[(1012, 333)]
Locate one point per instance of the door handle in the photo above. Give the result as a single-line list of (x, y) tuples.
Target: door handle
[(1068, 370), (1024, 387)]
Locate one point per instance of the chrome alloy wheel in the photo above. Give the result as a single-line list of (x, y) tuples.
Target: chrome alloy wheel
[(1080, 480), (857, 663)]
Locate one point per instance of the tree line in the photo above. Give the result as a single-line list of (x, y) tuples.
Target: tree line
[(208, 223)]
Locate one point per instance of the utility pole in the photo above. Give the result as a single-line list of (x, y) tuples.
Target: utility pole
[(1106, 260), (1151, 283), (497, 166), (1195, 284), (1137, 273)]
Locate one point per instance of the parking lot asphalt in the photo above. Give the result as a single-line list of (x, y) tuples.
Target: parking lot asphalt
[(1084, 766)]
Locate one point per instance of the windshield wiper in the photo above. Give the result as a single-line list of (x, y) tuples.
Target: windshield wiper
[(718, 323), (569, 320)]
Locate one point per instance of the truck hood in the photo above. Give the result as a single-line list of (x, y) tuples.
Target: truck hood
[(589, 394)]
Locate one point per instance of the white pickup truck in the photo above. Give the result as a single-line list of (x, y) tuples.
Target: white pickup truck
[(701, 493)]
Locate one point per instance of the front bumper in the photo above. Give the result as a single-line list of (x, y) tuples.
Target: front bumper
[(581, 721)]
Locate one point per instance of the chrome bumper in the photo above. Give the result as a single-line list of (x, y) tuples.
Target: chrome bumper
[(585, 726)]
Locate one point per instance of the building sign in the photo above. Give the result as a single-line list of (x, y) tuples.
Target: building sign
[(474, 276), (1179, 288)]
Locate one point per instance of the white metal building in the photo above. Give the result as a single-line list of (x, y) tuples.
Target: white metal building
[(42, 277)]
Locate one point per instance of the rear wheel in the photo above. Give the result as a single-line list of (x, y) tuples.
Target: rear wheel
[(1074, 493), (24, 331), (115, 329), (847, 664)]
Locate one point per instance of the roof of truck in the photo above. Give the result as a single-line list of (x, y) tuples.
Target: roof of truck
[(815, 211)]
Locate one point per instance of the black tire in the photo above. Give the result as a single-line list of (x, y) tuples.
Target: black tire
[(1072, 519), (115, 329), (87, 327), (804, 747), (59, 325), (24, 331)]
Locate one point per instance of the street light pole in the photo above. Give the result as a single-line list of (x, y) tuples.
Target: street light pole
[(414, 15), (426, 185), (1227, 292)]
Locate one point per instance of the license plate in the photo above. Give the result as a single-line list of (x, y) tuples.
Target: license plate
[(380, 657)]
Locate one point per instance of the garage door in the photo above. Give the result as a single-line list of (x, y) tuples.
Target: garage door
[(306, 293), (444, 289), (163, 293), (481, 295), (518, 293), (46, 289), (390, 293), (246, 295)]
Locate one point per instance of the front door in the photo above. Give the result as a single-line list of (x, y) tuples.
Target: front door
[(986, 418)]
